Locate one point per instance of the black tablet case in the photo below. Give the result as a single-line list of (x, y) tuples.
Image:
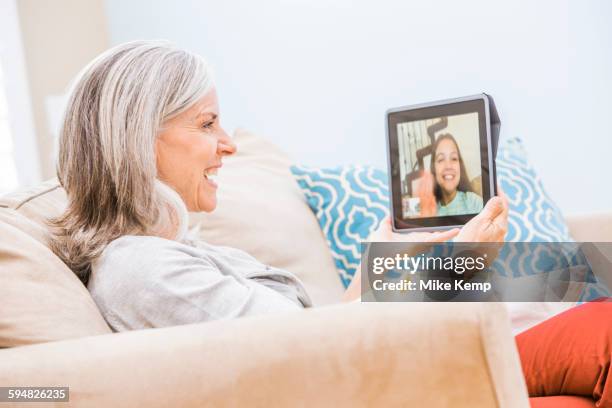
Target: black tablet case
[(495, 124)]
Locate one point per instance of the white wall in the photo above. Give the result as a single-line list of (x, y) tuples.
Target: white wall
[(59, 37), (316, 76), (18, 137)]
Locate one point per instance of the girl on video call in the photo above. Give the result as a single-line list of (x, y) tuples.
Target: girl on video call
[(447, 190)]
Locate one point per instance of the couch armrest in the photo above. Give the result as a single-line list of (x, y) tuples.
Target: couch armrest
[(433, 355), (595, 227)]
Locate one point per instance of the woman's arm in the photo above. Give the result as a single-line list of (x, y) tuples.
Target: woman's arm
[(385, 233), (151, 282), (490, 225)]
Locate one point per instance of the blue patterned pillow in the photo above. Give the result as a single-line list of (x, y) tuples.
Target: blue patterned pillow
[(350, 202), (533, 216)]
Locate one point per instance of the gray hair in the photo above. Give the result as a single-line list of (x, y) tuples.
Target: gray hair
[(107, 162)]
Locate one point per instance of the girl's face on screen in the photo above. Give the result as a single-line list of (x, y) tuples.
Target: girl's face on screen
[(446, 162)]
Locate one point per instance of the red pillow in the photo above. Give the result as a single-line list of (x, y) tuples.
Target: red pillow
[(570, 354)]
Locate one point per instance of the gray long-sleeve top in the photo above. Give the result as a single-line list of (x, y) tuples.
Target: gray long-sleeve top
[(143, 281)]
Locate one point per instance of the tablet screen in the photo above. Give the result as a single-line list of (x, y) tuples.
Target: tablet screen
[(439, 164)]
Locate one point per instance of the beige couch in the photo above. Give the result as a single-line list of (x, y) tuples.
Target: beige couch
[(332, 355)]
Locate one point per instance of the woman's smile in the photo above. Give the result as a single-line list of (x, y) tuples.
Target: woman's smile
[(210, 175)]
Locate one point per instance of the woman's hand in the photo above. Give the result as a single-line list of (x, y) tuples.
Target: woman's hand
[(385, 233), (491, 225)]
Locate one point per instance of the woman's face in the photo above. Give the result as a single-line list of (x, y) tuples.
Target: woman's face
[(189, 151), (446, 164)]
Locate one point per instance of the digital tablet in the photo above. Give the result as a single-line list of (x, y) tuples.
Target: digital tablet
[(441, 158)]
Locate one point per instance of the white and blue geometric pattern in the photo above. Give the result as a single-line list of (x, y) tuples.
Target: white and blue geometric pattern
[(350, 202), (533, 216), (593, 291)]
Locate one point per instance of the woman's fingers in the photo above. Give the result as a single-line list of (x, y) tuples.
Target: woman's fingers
[(502, 218), (503, 196), (505, 202), (501, 221), (494, 207), (411, 237), (426, 236), (443, 236)]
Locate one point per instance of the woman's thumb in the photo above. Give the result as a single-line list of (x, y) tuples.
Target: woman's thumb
[(493, 208)]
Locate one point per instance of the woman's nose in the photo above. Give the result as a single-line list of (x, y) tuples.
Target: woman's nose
[(226, 145)]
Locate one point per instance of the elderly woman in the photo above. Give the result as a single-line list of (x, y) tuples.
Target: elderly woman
[(140, 145)]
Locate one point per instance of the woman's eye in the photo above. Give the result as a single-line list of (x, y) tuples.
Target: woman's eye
[(208, 125)]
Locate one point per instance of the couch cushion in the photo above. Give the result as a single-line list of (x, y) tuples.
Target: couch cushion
[(262, 211), (37, 203), (42, 300), (349, 355)]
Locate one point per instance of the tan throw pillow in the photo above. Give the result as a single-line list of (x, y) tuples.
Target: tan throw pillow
[(38, 203), (42, 300), (262, 211)]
